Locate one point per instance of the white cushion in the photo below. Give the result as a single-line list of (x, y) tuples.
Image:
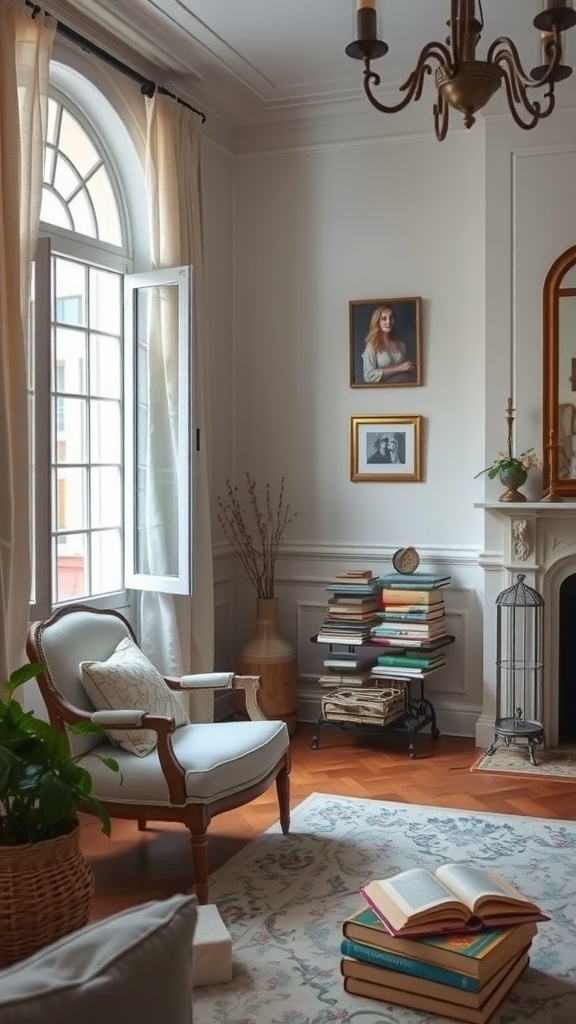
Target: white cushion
[(219, 759), (127, 679), (134, 966)]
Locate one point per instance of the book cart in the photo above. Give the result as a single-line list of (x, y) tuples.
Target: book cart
[(392, 705)]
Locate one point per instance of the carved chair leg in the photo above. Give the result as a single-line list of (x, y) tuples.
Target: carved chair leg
[(200, 862), (283, 791), (141, 824)]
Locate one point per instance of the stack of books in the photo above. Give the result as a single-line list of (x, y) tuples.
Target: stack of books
[(411, 624), (421, 961), (352, 608)]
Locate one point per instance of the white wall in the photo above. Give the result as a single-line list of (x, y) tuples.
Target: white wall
[(471, 225)]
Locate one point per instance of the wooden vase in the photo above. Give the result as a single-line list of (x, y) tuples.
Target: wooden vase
[(269, 656), (46, 892)]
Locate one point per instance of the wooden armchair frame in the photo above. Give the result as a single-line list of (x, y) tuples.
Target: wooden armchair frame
[(196, 816)]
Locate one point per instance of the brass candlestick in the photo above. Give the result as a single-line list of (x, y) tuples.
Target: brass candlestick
[(553, 448)]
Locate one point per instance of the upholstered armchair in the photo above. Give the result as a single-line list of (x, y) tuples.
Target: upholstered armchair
[(170, 769)]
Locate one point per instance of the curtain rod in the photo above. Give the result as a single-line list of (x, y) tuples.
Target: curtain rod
[(147, 86)]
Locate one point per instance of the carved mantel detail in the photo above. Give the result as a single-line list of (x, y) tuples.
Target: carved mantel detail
[(521, 539)]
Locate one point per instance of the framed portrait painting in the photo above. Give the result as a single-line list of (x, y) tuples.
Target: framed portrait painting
[(386, 342), (386, 449)]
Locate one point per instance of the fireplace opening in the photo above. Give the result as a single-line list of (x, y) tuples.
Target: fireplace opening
[(567, 662)]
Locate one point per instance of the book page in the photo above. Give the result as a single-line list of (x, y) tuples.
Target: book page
[(474, 884), (416, 890)]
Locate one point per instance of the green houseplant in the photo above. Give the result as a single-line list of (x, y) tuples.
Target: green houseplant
[(41, 784), (46, 884)]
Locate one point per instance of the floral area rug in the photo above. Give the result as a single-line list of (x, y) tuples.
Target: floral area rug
[(284, 899), (557, 762)]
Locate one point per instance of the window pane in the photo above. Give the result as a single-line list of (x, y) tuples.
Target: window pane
[(106, 496), (107, 568), (70, 279), (70, 495), (54, 211), (74, 140), (69, 430), (106, 207), (105, 301), (105, 432), (105, 367), (69, 570), (65, 177), (70, 355), (83, 215)]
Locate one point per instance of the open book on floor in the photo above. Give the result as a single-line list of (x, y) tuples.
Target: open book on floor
[(456, 897)]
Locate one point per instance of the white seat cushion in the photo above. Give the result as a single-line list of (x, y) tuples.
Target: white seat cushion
[(134, 966), (219, 758), (127, 679)]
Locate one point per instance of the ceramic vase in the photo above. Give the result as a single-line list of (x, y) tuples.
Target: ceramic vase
[(512, 479), (269, 656)]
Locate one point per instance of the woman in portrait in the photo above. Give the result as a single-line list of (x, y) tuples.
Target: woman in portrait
[(384, 359)]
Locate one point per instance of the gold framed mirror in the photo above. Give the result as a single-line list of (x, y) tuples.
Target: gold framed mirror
[(559, 376)]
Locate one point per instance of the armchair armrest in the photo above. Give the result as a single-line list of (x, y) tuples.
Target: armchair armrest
[(250, 685), (202, 681), (128, 718), (163, 726)]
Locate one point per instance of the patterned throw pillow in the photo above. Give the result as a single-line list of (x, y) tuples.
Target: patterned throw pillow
[(128, 680)]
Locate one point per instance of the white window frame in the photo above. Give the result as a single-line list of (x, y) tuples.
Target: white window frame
[(181, 582)]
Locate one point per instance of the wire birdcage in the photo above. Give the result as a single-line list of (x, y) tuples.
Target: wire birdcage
[(519, 667)]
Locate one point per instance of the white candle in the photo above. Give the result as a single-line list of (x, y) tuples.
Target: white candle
[(360, 4)]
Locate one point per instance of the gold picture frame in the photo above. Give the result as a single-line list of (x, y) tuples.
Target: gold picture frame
[(386, 449)]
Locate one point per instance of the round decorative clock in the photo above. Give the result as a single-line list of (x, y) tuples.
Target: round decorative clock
[(406, 560)]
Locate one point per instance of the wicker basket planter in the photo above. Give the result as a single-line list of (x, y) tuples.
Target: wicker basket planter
[(46, 891)]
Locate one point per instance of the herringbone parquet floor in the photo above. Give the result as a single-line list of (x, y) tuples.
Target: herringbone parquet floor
[(133, 866)]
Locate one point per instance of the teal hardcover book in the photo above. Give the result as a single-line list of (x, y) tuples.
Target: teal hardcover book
[(408, 965)]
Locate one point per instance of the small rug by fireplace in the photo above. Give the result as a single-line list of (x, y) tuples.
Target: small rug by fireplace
[(284, 899), (554, 763)]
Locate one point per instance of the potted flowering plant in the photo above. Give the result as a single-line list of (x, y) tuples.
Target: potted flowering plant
[(511, 469), (508, 463)]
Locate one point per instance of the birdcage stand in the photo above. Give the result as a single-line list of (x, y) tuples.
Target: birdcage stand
[(519, 668)]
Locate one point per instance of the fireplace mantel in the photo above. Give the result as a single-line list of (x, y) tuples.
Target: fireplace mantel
[(538, 539), (514, 507)]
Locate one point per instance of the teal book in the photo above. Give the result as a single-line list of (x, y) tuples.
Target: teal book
[(408, 965), (413, 581), (402, 660)]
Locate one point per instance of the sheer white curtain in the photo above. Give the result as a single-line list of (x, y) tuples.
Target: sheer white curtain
[(25, 48), (173, 157)]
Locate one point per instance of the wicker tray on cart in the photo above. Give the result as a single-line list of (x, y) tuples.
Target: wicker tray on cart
[(365, 706)]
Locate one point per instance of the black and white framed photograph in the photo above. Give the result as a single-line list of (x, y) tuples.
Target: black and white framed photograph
[(385, 342), (386, 448)]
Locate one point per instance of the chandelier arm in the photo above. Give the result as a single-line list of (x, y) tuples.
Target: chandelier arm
[(516, 94), (413, 85), (504, 51), (441, 111)]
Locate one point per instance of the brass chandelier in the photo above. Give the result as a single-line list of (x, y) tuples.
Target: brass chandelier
[(462, 81)]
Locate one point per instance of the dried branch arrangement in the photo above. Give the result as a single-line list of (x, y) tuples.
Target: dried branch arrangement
[(255, 530)]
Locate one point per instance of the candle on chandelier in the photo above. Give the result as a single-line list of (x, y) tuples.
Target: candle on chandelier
[(366, 19)]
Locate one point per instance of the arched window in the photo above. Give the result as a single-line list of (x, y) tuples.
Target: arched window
[(89, 462), (80, 268)]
